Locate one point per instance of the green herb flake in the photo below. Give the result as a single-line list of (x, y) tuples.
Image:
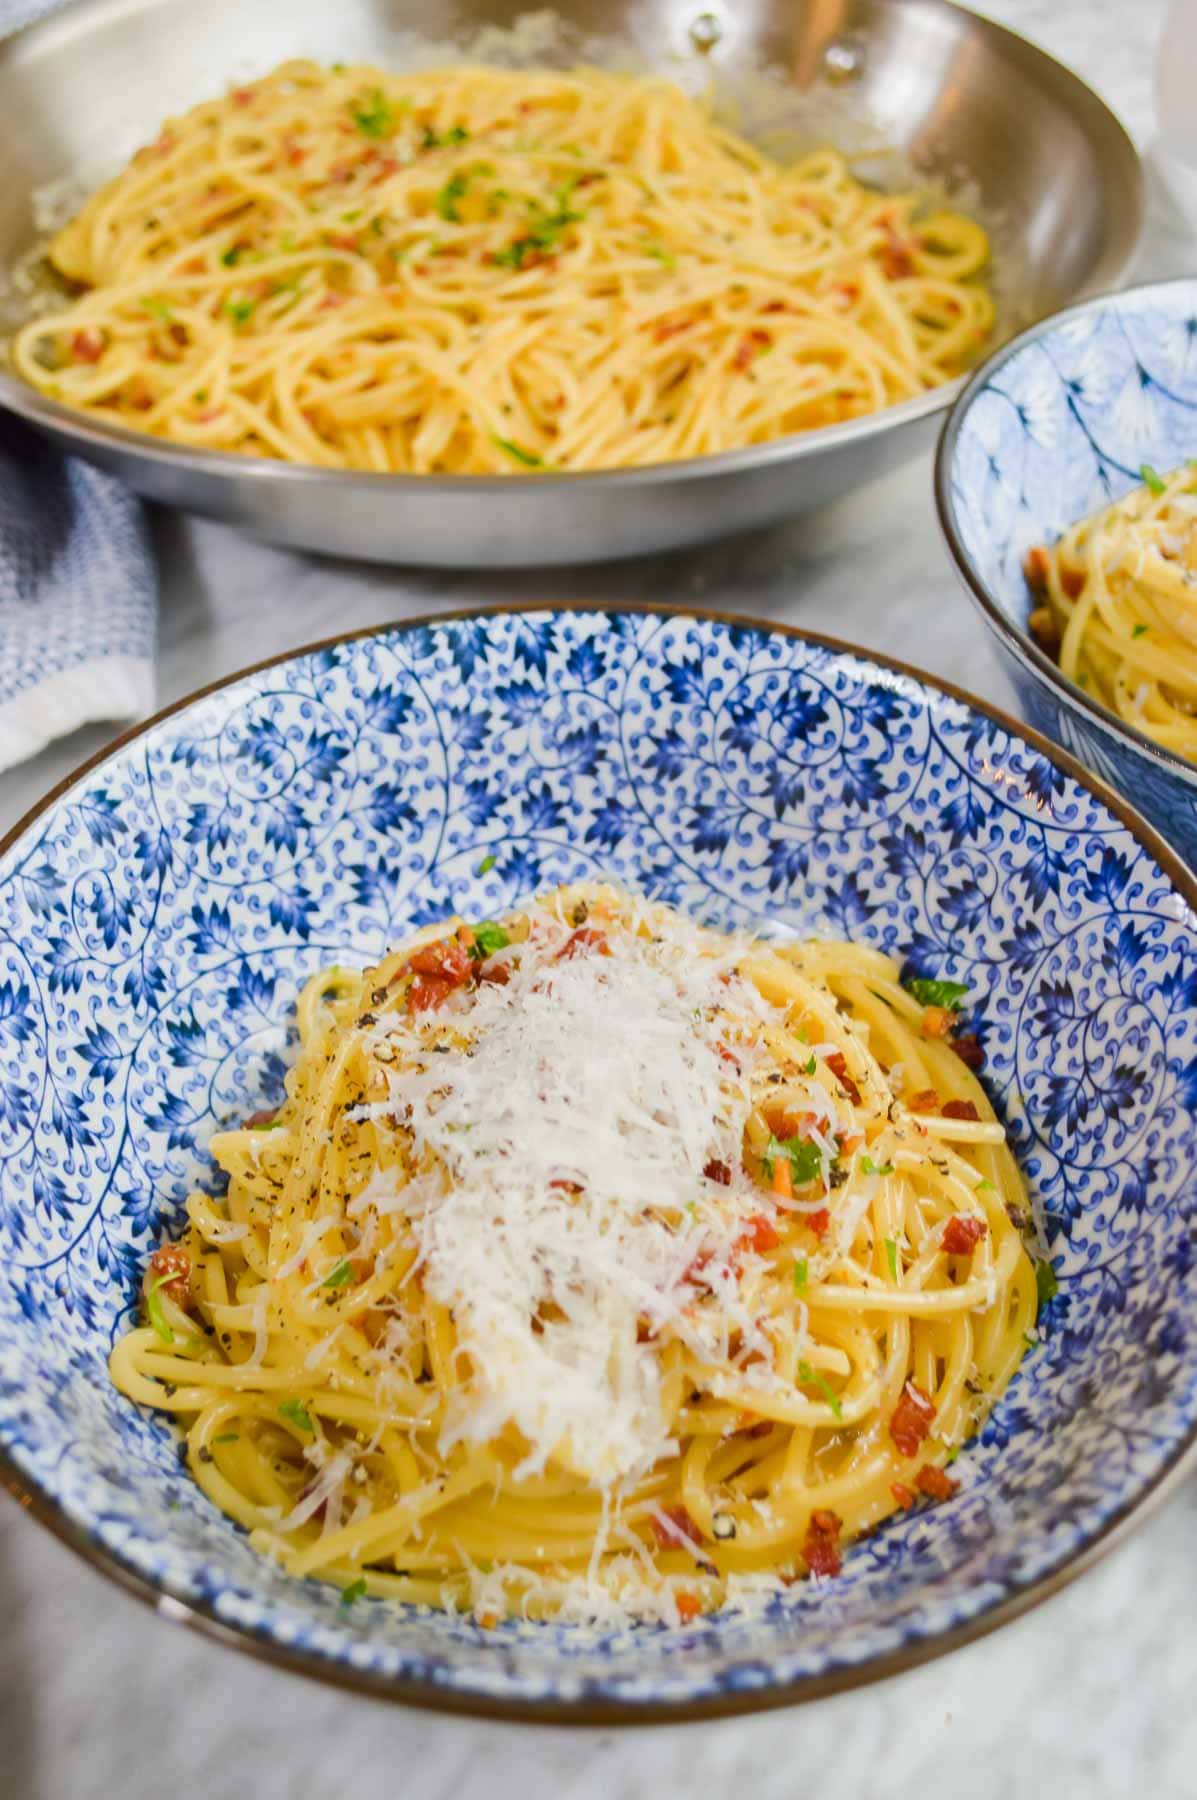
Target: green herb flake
[(489, 937), (354, 1591), (810, 1067), (485, 866), (801, 1275), (227, 1437), (158, 308), (927, 992), (813, 1378), (441, 140), (338, 1277), (297, 1413), (951, 1456), (240, 311), (891, 1257), (872, 1168), (1046, 1283), (374, 116), (542, 240), (983, 1187), (660, 254), (1138, 631), (232, 257), (154, 1312), (1152, 479), (448, 197), (806, 1159), (529, 459)]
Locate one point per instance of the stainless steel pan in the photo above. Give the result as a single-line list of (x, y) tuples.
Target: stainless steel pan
[(956, 96)]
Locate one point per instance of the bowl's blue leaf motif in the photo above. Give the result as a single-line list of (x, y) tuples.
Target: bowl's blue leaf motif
[(156, 924)]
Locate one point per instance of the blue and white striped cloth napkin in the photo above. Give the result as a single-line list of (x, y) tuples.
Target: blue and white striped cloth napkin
[(78, 586)]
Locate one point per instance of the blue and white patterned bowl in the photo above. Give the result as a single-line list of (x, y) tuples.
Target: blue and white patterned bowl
[(158, 914), (1055, 426)]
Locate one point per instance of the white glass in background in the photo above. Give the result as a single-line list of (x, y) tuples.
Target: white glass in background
[(1170, 163)]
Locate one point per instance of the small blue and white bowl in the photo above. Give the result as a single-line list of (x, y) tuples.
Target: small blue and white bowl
[(1055, 426), (158, 914)]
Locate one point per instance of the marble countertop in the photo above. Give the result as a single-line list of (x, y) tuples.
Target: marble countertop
[(1089, 1696)]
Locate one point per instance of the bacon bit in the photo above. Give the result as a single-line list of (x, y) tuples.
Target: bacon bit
[(674, 1529), (925, 1101), (822, 1547), (1045, 630), (751, 346), (1072, 581), (295, 153), (938, 1021), (171, 1266), (266, 1116), (960, 1109), (896, 258), (902, 1494), (1036, 567), (847, 294), (428, 993), (968, 1049), (497, 973), (343, 240), (935, 1484), (839, 1069), (688, 1607), (88, 345), (668, 330), (139, 395), (962, 1234), (580, 942), (775, 306), (446, 958), (564, 1186), (328, 303), (911, 1419), (718, 1171), (209, 413), (341, 172), (387, 166), (242, 96), (760, 1236), (819, 1221)]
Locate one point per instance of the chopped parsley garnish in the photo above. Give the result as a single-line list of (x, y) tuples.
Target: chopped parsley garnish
[(1152, 478), (983, 1185), (800, 1274), (240, 311), (485, 866), (489, 937), (528, 457), (227, 1437), (1138, 630), (927, 992), (872, 1168), (810, 1067), (158, 308), (814, 1379), (806, 1159), (232, 257), (440, 140), (374, 116), (154, 1312), (951, 1456), (661, 254), (354, 1591), (453, 191), (1046, 1282), (891, 1257), (540, 241), (297, 1413), (337, 1278)]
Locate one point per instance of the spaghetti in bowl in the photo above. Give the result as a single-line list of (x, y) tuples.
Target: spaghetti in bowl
[(159, 922), (595, 1265)]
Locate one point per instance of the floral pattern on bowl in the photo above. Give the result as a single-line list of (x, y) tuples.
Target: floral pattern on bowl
[(157, 918), (1054, 427)]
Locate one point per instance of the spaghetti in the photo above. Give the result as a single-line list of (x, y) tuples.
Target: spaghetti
[(1117, 607), (477, 270), (594, 1266)]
